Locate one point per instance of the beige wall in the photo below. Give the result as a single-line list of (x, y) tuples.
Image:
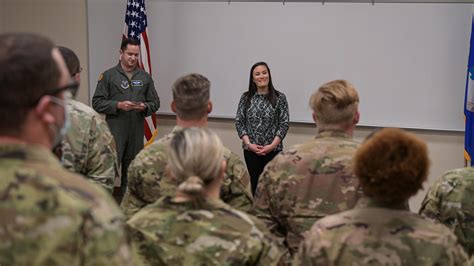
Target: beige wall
[(65, 22)]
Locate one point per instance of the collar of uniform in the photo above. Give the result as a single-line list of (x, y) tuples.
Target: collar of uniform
[(27, 152), (176, 129), (332, 133), (120, 69), (366, 202), (207, 203)]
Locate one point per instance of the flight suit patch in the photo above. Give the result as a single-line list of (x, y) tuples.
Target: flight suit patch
[(137, 83), (124, 84)]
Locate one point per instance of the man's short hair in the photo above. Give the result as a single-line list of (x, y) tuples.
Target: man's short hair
[(391, 165), (335, 103), (191, 95), (127, 41), (27, 71), (71, 59)]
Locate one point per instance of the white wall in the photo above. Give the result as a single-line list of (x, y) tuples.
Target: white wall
[(445, 147), (394, 61)]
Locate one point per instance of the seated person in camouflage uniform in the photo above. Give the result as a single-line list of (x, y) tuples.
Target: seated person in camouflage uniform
[(315, 179), (450, 200), (88, 148), (147, 179), (49, 216), (194, 227), (391, 166)]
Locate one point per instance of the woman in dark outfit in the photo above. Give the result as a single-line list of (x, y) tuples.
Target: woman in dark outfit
[(262, 121)]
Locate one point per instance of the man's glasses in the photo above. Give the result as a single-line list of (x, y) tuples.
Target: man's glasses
[(72, 87)]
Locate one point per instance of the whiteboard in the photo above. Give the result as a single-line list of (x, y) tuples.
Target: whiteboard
[(407, 61)]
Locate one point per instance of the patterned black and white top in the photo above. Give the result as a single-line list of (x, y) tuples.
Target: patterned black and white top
[(261, 122)]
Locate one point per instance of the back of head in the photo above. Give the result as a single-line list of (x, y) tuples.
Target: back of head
[(391, 165), (71, 59), (191, 96), (195, 159), (27, 71), (72, 63), (335, 104)]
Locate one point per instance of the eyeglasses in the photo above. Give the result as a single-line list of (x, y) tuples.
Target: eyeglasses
[(72, 88)]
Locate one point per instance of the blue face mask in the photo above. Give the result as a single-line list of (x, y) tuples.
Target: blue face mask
[(61, 130)]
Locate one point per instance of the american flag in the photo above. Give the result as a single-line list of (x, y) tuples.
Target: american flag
[(136, 27), (469, 103)]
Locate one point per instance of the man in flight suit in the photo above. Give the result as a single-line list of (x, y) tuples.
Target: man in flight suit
[(126, 95)]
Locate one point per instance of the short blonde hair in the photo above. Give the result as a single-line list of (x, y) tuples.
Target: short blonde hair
[(191, 95), (336, 102), (391, 165), (195, 159)]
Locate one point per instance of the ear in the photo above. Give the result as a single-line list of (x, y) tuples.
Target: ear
[(43, 112), (77, 77), (222, 172), (356, 118), (209, 107), (173, 106)]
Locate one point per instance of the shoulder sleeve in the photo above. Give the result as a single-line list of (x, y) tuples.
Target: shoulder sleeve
[(240, 118), (102, 164), (101, 101), (103, 231), (283, 116), (133, 199), (152, 101), (147, 180), (264, 206), (443, 199), (236, 188), (312, 251)]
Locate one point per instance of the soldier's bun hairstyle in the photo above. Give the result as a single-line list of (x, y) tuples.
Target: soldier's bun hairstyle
[(336, 102), (195, 159), (391, 165)]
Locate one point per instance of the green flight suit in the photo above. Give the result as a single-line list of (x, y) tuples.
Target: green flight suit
[(126, 126)]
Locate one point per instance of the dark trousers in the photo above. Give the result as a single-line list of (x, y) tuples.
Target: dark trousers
[(255, 164), (125, 157)]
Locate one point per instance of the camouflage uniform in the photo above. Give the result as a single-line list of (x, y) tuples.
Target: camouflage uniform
[(372, 234), (147, 180), (50, 216), (306, 183), (89, 148), (209, 233), (450, 200)]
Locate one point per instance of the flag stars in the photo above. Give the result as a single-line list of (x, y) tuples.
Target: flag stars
[(132, 34)]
